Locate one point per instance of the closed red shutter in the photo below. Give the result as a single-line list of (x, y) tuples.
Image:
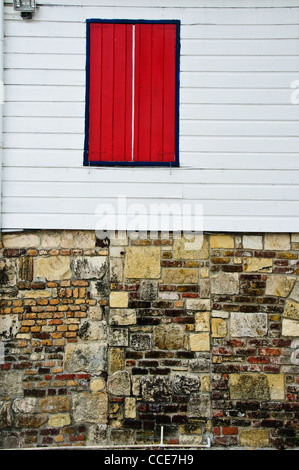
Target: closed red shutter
[(155, 64), (110, 91), (132, 93)]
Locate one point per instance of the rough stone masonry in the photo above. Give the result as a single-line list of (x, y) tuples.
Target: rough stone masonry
[(105, 341)]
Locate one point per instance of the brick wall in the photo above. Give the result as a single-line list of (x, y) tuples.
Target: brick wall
[(105, 341)]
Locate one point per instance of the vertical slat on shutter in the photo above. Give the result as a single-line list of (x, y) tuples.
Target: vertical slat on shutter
[(110, 92), (95, 92), (169, 103), (155, 66)]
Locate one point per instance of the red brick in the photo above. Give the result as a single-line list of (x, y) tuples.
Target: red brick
[(269, 352), (229, 431)]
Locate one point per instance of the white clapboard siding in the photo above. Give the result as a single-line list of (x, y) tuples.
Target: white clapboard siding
[(189, 15), (237, 80), (143, 175), (45, 93), (70, 205), (239, 140), (234, 96), (94, 222), (165, 3), (245, 47), (288, 111), (44, 109), (215, 192), (47, 158)]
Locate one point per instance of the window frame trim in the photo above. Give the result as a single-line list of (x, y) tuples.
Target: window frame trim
[(176, 162)]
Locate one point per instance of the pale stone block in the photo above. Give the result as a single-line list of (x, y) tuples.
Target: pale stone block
[(204, 273), (136, 386), (59, 420), (254, 437), (93, 331), (119, 299), (219, 328), (81, 239), (290, 327), (168, 296), (90, 357), (222, 241), (116, 360), (54, 404), (258, 265), (205, 383), (116, 252), (11, 383), (250, 386), (130, 408), (295, 237), (291, 310), (225, 283), (50, 240), (295, 292), (116, 270), (248, 324), (199, 406), (276, 386), (190, 440), (32, 421), (199, 341), (93, 267), (143, 262), (96, 385), (122, 317), (253, 242), (277, 241), (95, 313), (280, 285), (198, 304), (219, 314), (90, 408), (204, 288), (24, 405), (180, 276), (119, 239), (193, 247), (5, 416), (169, 336), (9, 326), (97, 435), (37, 294), (202, 321), (119, 383), (21, 240), (53, 268), (118, 337)]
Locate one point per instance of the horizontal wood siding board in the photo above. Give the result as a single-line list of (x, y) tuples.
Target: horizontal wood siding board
[(190, 15), (85, 221), (175, 175)]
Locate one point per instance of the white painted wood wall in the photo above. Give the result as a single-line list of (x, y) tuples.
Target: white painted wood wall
[(239, 131)]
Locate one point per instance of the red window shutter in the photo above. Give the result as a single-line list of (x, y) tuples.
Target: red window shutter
[(132, 93), (110, 92), (155, 84)]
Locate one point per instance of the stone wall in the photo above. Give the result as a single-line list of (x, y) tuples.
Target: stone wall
[(105, 341)]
